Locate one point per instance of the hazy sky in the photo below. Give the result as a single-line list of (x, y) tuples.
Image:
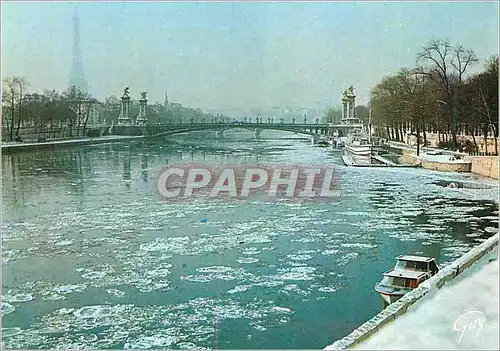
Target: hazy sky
[(235, 54)]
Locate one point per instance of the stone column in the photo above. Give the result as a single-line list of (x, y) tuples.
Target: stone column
[(344, 108), (124, 118), (351, 112), (141, 117)]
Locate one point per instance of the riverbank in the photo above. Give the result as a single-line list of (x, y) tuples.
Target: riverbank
[(449, 161), (470, 284), (15, 146)]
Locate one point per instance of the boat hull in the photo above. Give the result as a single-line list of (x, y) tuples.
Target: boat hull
[(391, 294), (390, 298)]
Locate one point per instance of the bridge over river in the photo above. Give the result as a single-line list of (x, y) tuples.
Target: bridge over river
[(160, 130)]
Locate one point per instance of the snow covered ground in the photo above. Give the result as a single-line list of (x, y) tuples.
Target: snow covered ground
[(461, 315)]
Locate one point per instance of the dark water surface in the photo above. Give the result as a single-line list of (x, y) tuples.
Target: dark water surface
[(92, 259)]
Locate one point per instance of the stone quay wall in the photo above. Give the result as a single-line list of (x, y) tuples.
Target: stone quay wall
[(485, 165)]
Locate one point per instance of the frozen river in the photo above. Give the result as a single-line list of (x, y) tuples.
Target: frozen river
[(92, 259)]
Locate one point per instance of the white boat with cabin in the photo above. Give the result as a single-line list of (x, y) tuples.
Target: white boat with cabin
[(408, 274), (397, 282), (359, 143)]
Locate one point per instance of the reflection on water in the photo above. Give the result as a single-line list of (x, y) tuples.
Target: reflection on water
[(127, 172), (92, 259), (144, 167)]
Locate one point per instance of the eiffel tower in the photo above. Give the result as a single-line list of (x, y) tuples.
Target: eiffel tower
[(77, 77)]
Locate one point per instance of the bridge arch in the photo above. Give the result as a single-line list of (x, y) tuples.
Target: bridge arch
[(181, 129)]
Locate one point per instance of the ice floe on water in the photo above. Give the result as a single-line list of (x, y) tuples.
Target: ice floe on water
[(330, 252), (6, 308), (251, 251), (296, 273), (294, 289), (154, 341), (13, 297), (238, 289), (159, 273), (342, 261), (327, 289), (358, 245), (174, 245), (189, 346), (94, 275), (70, 288), (64, 242), (247, 260), (214, 269), (217, 273), (115, 292), (300, 257), (8, 332), (279, 309)]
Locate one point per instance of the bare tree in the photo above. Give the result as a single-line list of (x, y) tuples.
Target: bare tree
[(89, 104), (9, 97), (23, 84), (447, 65), (481, 96), (77, 101)]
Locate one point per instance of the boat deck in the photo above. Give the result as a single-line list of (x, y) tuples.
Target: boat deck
[(381, 162)]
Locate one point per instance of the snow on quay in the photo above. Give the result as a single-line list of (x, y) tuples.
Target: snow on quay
[(462, 315)]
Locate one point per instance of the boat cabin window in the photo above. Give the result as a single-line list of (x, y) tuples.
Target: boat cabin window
[(418, 266), (399, 282)]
